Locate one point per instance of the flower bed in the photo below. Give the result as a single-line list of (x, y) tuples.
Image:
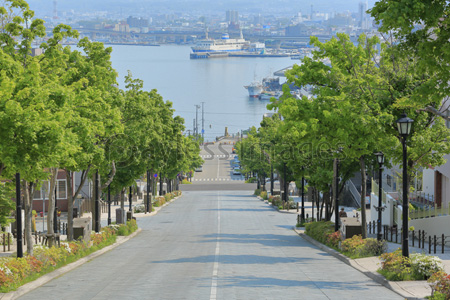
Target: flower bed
[(160, 200), (355, 247), (440, 286), (395, 267), (14, 272)]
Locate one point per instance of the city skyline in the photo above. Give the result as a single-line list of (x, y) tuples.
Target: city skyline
[(194, 7)]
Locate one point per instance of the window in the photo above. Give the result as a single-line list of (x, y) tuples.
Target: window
[(389, 180), (41, 193), (62, 189)]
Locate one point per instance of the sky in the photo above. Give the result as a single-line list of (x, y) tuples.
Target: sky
[(199, 6)]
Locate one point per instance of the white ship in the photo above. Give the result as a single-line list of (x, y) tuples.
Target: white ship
[(254, 89), (223, 45)]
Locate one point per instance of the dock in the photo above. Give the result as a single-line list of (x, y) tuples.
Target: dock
[(203, 55)]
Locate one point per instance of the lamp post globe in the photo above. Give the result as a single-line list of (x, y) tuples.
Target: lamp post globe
[(404, 125)]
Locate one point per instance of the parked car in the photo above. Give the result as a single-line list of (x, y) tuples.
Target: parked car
[(237, 171), (199, 169)]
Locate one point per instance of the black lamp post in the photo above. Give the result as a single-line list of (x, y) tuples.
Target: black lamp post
[(303, 197), (380, 208), (130, 198), (271, 179), (336, 201), (109, 204), (55, 212), (149, 208), (404, 125), (97, 202), (19, 217)]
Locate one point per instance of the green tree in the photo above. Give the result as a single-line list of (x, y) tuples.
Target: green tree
[(421, 29), (358, 95)]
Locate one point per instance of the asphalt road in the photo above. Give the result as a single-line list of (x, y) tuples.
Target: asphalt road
[(215, 242), (217, 173), (215, 245)]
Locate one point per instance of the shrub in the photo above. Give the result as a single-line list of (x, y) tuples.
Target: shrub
[(263, 195), (292, 204), (352, 244), (168, 197), (423, 266), (140, 208), (395, 267), (440, 286), (276, 201), (159, 201), (357, 247), (251, 180), (373, 247), (185, 181), (320, 230), (418, 267), (333, 239), (257, 192), (17, 271)]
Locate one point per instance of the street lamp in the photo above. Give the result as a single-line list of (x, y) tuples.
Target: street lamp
[(303, 196), (380, 208), (336, 200), (404, 128), (109, 204)]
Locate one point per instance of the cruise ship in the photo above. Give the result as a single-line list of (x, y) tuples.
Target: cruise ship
[(223, 45)]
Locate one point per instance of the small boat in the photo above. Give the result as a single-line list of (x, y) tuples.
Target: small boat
[(267, 95)]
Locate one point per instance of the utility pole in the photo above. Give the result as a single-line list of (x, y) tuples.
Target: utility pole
[(203, 121), (196, 120), (193, 129)]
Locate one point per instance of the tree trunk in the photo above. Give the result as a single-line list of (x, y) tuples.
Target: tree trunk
[(51, 206), (28, 209), (122, 199), (326, 200), (363, 197), (71, 198)]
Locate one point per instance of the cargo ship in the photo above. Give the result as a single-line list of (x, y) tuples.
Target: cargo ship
[(254, 89)]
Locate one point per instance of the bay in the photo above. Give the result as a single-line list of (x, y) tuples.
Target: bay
[(218, 82)]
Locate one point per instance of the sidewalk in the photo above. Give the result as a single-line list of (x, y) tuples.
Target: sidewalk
[(104, 222), (369, 266)]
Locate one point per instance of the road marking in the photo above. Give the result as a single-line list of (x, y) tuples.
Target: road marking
[(218, 167), (215, 275)]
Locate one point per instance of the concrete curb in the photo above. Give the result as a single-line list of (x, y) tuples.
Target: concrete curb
[(157, 209), (276, 208), (378, 278), (26, 288)]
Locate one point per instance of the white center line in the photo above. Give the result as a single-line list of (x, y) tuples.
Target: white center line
[(218, 166), (213, 295)]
